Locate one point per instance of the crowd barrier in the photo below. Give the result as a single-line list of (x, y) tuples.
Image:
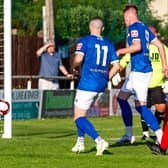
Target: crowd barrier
[(37, 104)]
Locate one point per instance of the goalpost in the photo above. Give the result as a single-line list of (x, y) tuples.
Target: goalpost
[(7, 67)]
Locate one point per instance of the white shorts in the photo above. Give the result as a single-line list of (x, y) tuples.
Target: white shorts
[(44, 84), (137, 83), (84, 99)]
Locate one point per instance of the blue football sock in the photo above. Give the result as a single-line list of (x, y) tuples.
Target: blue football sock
[(126, 112), (81, 133), (149, 117), (87, 127)]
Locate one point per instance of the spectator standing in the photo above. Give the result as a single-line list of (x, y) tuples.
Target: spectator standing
[(50, 64)]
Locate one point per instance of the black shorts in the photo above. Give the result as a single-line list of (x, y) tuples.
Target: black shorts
[(155, 96)]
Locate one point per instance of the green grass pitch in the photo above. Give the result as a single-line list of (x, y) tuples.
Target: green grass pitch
[(47, 144)]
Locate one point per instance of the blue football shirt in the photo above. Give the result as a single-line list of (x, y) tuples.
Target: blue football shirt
[(140, 61), (98, 54)]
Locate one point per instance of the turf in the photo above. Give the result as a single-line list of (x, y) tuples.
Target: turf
[(47, 144)]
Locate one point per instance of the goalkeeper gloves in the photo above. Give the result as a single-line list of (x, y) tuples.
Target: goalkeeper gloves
[(165, 87), (116, 79)]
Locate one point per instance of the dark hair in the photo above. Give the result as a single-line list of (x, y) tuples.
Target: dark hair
[(129, 6)]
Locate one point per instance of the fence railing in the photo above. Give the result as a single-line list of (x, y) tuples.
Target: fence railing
[(30, 77)]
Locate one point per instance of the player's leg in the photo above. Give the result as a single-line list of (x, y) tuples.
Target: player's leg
[(140, 85), (126, 114), (83, 101), (160, 149), (150, 119), (158, 99), (155, 97), (166, 111), (145, 128), (164, 142), (160, 103), (79, 146)]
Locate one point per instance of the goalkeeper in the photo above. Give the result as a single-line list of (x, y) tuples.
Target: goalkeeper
[(155, 96)]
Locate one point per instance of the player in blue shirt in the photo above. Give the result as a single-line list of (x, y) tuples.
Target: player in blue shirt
[(139, 37), (94, 54)]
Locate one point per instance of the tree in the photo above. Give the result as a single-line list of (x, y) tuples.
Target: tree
[(27, 16), (73, 23), (71, 17)]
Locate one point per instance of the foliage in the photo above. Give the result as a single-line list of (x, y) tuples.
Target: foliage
[(27, 16), (73, 22), (71, 17)]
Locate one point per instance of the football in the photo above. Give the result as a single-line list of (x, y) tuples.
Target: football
[(4, 107)]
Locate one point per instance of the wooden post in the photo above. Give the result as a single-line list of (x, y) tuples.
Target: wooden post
[(49, 20)]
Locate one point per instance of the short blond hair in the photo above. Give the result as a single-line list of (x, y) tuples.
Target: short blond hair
[(97, 22)]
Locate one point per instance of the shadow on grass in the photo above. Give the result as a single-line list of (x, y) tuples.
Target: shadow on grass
[(106, 152), (128, 144), (61, 136), (47, 134)]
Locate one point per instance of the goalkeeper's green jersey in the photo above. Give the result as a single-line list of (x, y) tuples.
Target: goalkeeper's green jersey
[(157, 75)]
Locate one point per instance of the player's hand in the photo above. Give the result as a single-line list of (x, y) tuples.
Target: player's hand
[(165, 71), (120, 52), (165, 87), (116, 79)]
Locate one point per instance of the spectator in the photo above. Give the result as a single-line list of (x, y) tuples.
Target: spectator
[(50, 65)]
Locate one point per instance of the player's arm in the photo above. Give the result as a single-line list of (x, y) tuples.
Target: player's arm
[(161, 49), (166, 51), (124, 61), (135, 47), (78, 58), (114, 69)]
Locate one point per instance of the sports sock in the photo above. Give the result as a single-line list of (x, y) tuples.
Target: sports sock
[(159, 116), (87, 127), (98, 139), (164, 141), (149, 117), (145, 128), (159, 134), (146, 133), (80, 132), (80, 140), (126, 112), (129, 131)]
